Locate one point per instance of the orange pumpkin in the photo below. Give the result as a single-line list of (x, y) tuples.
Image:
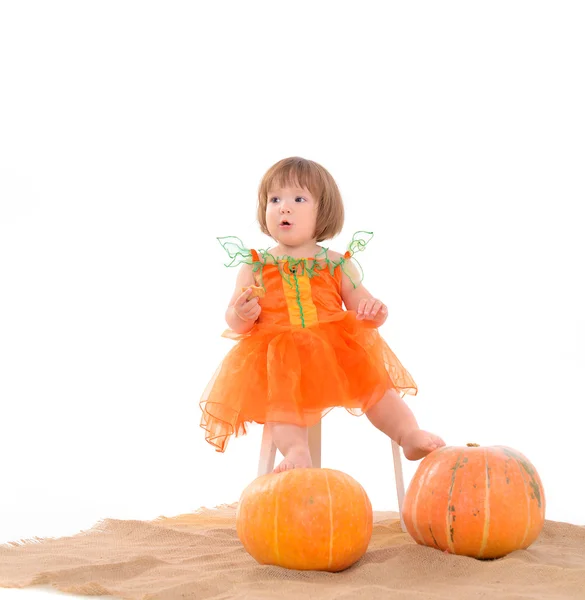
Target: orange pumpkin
[(306, 519), (479, 502)]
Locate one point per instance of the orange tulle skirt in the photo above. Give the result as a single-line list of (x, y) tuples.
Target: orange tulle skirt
[(279, 373)]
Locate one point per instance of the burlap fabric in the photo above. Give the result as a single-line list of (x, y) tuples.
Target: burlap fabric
[(198, 555)]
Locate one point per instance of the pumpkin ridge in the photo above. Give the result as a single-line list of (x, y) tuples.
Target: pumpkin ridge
[(486, 508), (277, 551), (330, 521), (533, 483), (521, 460), (433, 536), (365, 497), (449, 523), (527, 495), (421, 485)]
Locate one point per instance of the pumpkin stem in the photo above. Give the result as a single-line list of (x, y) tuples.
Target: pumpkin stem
[(473, 445)]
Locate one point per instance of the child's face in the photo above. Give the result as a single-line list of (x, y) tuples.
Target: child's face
[(291, 215)]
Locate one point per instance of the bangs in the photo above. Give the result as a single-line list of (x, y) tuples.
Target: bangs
[(296, 173)]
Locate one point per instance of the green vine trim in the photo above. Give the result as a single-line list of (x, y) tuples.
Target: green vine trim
[(287, 265)]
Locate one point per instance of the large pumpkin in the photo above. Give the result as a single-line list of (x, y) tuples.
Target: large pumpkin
[(479, 502), (307, 519)]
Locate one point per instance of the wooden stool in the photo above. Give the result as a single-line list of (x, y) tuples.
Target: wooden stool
[(268, 455)]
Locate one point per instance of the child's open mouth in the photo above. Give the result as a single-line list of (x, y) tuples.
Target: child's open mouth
[(285, 225)]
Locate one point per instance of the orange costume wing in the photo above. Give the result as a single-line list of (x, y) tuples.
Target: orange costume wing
[(305, 355)]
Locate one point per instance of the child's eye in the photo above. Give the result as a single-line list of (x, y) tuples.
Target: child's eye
[(300, 198), (274, 199)]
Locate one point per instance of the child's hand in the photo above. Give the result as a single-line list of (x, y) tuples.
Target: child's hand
[(247, 308), (370, 309)]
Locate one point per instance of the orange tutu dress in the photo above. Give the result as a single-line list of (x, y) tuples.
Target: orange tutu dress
[(305, 355)]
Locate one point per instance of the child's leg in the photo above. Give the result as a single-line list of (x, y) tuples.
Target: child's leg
[(392, 416), (293, 443)]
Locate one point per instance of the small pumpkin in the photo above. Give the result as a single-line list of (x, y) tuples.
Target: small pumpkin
[(474, 501), (306, 519)]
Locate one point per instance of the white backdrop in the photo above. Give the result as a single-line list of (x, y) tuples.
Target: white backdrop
[(132, 134)]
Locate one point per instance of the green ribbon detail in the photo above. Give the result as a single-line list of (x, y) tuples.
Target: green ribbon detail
[(239, 254)]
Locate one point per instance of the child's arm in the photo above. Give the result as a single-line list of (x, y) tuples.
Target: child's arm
[(358, 298), (243, 311)]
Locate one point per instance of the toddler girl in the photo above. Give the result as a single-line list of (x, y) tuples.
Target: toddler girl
[(299, 352)]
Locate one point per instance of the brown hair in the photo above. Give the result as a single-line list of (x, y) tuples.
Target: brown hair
[(312, 176)]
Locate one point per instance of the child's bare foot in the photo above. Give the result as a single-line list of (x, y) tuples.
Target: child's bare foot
[(417, 443), (297, 458)]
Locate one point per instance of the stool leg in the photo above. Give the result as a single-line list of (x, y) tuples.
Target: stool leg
[(315, 444), (399, 480), (267, 452)]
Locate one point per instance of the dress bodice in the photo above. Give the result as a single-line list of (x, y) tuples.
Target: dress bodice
[(299, 292)]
